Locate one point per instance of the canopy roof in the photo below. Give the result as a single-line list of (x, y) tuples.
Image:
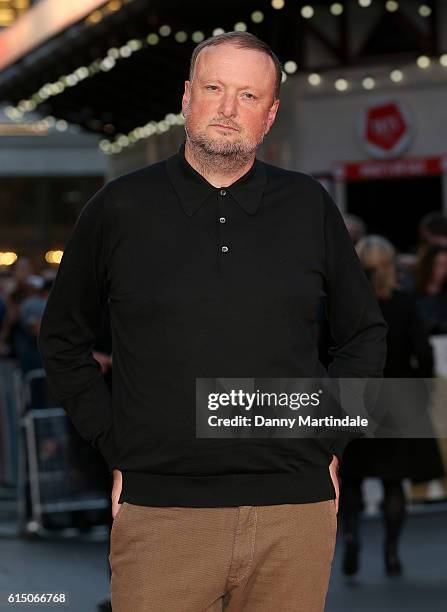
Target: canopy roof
[(91, 63)]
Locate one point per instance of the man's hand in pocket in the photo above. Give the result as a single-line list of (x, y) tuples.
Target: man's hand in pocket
[(116, 491), (333, 470)]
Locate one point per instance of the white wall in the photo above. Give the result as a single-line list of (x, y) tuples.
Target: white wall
[(316, 128)]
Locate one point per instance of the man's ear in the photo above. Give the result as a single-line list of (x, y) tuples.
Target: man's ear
[(272, 115), (186, 96)]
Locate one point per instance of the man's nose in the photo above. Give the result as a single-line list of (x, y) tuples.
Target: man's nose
[(228, 105)]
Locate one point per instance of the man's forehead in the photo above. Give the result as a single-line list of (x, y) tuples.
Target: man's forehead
[(218, 63), (223, 54)]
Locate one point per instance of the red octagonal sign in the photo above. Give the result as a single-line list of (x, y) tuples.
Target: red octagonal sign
[(386, 129)]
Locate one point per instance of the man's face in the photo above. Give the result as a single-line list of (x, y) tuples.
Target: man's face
[(229, 107)]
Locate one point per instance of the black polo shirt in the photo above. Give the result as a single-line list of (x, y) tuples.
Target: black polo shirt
[(205, 282)]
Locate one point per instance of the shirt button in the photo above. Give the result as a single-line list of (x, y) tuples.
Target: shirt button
[(222, 219), (224, 249), (223, 192)]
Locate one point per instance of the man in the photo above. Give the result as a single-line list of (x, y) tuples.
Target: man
[(213, 263)]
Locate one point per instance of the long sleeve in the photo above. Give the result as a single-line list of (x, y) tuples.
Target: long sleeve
[(70, 324), (356, 323)]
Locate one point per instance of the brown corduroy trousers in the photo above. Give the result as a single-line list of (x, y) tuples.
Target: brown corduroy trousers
[(239, 559)]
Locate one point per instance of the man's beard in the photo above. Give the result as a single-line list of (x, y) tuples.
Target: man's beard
[(227, 155)]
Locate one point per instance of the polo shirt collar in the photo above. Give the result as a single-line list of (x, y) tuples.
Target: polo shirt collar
[(193, 189)]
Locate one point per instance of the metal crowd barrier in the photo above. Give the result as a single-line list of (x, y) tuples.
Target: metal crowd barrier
[(55, 472)]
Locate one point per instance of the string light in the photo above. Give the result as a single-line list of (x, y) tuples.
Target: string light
[(290, 66), (94, 17), (278, 4), (314, 79), (257, 16), (164, 30), (135, 44), (364, 3), (307, 11), (336, 9), (424, 10), (391, 5), (125, 51), (181, 36), (114, 5), (197, 36), (122, 141), (423, 61), (61, 125), (341, 84), (396, 75), (50, 120), (7, 258), (368, 83), (111, 7), (107, 64), (54, 257)]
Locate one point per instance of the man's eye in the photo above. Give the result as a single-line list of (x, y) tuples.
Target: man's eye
[(250, 96), (212, 87)]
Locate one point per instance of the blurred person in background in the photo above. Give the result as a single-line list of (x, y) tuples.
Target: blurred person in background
[(430, 286), (433, 229), (355, 226), (390, 460), (21, 269), (16, 290), (30, 314), (2, 311)]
